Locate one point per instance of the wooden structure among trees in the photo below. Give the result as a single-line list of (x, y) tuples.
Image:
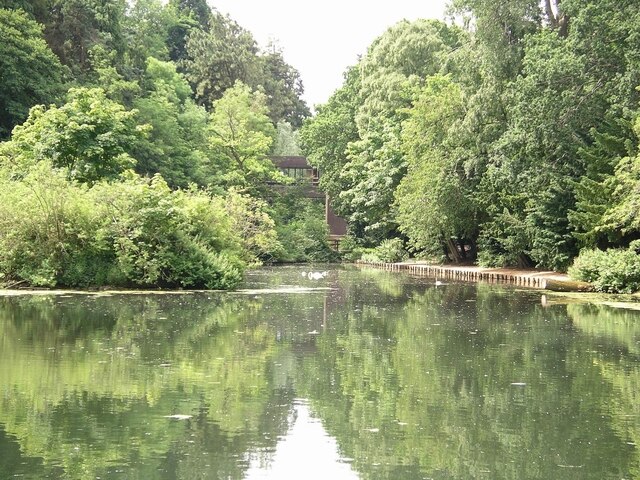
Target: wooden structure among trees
[(298, 168)]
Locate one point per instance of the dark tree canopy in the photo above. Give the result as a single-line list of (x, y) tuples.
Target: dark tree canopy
[(29, 71)]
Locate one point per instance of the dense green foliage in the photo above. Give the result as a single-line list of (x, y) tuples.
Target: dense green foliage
[(616, 270), (507, 140), (89, 136), (389, 250), (508, 137), (152, 169), (302, 229), (29, 71), (132, 232)]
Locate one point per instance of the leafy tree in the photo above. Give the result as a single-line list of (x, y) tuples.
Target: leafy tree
[(283, 86), (391, 73), (500, 30), (218, 57), (38, 10), (302, 229), (240, 137), (77, 26), (90, 137), (435, 200), (287, 141), (621, 216), (29, 72), (199, 10), (326, 136), (252, 223), (176, 145), (188, 16), (595, 190), (529, 186), (146, 28)]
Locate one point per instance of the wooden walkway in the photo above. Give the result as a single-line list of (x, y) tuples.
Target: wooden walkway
[(524, 278)]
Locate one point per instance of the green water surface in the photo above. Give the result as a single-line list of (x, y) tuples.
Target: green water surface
[(359, 374)]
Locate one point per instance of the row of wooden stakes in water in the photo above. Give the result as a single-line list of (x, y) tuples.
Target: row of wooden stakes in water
[(539, 280)]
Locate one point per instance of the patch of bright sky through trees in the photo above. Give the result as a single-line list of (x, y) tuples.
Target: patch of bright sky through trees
[(321, 39)]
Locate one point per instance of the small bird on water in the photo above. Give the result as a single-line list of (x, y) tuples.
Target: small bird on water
[(317, 275)]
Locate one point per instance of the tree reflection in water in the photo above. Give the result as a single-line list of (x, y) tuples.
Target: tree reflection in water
[(401, 381)]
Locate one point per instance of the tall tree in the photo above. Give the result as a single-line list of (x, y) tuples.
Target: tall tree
[(176, 145), (189, 15), (326, 136), (395, 66), (76, 26), (198, 10), (29, 71), (147, 27), (218, 57), (569, 85), (283, 86), (435, 200), (240, 137), (595, 190), (287, 141), (500, 29), (38, 10)]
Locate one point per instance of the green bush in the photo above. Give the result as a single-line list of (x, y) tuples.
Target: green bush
[(46, 223), (135, 232), (612, 271), (389, 251), (168, 238), (253, 225), (351, 250), (302, 231)]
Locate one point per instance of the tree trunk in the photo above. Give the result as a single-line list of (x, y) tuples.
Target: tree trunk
[(551, 17), (453, 250), (558, 21)]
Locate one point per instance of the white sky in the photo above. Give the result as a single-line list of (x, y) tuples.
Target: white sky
[(322, 38)]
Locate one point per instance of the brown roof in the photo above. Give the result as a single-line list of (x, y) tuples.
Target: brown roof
[(291, 162)]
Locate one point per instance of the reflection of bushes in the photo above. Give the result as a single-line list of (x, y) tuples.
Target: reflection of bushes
[(620, 328), (85, 367), (617, 335)]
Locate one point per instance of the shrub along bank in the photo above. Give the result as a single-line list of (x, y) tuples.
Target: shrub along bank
[(136, 232)]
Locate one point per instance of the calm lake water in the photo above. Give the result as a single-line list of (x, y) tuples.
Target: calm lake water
[(358, 375)]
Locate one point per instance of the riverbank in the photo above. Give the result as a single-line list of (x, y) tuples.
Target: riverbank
[(539, 279)]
